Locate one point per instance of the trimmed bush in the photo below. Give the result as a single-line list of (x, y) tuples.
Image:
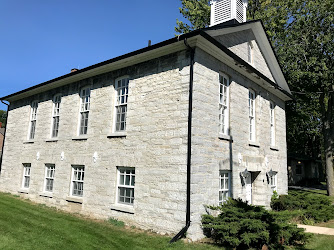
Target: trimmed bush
[(244, 226), (313, 207)]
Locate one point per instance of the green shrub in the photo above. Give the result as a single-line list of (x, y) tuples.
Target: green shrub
[(313, 207), (244, 226)]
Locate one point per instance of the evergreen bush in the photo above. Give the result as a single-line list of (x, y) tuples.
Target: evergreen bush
[(244, 226), (312, 207)]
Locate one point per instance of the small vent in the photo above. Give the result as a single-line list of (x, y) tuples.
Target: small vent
[(240, 11), (222, 10)]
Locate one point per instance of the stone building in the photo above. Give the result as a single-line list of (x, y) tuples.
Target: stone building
[(153, 136)]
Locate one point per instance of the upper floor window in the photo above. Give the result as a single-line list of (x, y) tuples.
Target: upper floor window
[(272, 124), (49, 177), (78, 175), (126, 185), (33, 118), (55, 115), (224, 186), (84, 110), (122, 89), (250, 52), (26, 175), (251, 108), (223, 104)]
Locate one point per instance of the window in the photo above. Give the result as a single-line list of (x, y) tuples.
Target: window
[(223, 104), (26, 175), (49, 177), (55, 116), (298, 169), (273, 182), (84, 110), (121, 88), (272, 124), (250, 52), (251, 106), (126, 185), (78, 174), (224, 186), (33, 118)]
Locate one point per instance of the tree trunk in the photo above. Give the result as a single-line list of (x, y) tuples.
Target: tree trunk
[(328, 134)]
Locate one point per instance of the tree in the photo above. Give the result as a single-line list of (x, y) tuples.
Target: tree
[(303, 37), (197, 12), (3, 115)]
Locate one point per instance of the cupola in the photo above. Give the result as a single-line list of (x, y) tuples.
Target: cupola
[(228, 10)]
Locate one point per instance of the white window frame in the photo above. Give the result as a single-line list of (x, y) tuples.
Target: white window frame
[(77, 180), (33, 120), (224, 83), (55, 115), (273, 182), (128, 196), (272, 124), (250, 52), (49, 177), (252, 112), (121, 102), (224, 188), (26, 175), (84, 110)]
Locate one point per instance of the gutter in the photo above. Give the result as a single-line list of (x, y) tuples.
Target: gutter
[(4, 135), (190, 108)]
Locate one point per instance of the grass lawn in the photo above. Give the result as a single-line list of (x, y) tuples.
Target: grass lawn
[(321, 242), (24, 225)]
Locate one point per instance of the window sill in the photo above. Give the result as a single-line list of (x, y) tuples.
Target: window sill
[(253, 144), (117, 134), (275, 148), (80, 138), (28, 141), (225, 137), (46, 194), (74, 199), (23, 191), (123, 208), (51, 140)]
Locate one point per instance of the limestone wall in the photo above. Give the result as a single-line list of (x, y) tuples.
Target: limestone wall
[(155, 144)]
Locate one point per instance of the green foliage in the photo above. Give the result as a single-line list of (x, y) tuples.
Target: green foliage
[(115, 222), (312, 207), (244, 226), (197, 12), (3, 117)]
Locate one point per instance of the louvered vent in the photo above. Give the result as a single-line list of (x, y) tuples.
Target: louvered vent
[(240, 11), (222, 11), (226, 10)]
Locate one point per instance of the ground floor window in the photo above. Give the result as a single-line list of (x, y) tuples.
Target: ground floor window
[(77, 185), (49, 177), (126, 185), (26, 175), (224, 186)]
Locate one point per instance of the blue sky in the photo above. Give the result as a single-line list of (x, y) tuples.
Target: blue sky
[(43, 39)]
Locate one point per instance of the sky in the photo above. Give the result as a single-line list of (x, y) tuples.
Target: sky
[(43, 39)]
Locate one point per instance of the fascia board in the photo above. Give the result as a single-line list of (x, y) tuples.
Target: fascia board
[(222, 56), (264, 46)]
